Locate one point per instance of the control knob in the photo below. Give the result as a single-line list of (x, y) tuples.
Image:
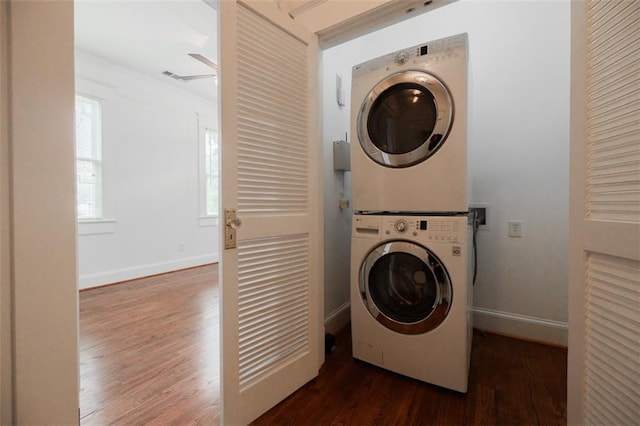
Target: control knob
[(401, 58), (401, 226)]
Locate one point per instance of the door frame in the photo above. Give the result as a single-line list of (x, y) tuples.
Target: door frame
[(40, 231)]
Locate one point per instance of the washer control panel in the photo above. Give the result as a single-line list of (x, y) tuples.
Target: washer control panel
[(430, 229)]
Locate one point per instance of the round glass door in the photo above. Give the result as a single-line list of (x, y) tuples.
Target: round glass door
[(405, 119), (405, 287)]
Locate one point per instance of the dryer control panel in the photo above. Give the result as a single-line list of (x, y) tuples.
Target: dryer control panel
[(441, 50)]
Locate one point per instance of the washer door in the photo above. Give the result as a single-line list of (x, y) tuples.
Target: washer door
[(405, 287), (405, 119)]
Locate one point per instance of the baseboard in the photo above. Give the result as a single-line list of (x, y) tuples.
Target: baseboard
[(521, 326), (114, 276), (338, 319)]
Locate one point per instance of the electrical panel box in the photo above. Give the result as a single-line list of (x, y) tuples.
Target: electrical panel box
[(341, 156)]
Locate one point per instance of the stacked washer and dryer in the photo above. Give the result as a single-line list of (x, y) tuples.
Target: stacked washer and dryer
[(411, 284)]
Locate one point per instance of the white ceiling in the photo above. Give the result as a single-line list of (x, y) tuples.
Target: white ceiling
[(151, 36)]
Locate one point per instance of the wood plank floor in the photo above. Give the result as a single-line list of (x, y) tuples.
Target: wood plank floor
[(149, 356), (149, 350), (512, 382)]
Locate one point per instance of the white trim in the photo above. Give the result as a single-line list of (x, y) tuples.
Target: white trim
[(338, 319), (42, 227), (96, 226), (94, 89), (117, 275), (337, 22), (206, 221), (523, 326), (105, 95)]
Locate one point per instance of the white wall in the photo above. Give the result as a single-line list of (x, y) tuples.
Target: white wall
[(337, 185), (150, 144), (518, 153)]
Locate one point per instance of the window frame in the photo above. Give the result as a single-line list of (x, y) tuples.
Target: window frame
[(105, 95), (95, 159), (206, 123)]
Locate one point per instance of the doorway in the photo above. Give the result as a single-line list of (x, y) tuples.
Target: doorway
[(145, 199)]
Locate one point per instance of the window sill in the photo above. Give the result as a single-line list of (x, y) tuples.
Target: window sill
[(207, 221), (96, 226)]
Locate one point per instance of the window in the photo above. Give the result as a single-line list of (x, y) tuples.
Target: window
[(88, 158), (208, 166), (211, 171)]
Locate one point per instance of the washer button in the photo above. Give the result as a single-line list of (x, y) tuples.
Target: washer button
[(401, 226)]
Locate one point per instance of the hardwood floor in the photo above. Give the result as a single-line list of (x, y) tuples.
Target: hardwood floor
[(512, 382), (149, 350), (149, 355)]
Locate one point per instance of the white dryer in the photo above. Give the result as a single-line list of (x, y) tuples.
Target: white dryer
[(410, 296), (409, 114)]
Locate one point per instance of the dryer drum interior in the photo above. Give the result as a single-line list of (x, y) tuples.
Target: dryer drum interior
[(405, 287), (405, 119)]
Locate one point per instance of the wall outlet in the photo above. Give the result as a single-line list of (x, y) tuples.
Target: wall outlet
[(482, 211), (515, 228)]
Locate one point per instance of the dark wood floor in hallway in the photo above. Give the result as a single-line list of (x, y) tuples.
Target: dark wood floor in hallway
[(149, 355), (512, 382)]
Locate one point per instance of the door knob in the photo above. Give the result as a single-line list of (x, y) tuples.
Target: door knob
[(232, 222)]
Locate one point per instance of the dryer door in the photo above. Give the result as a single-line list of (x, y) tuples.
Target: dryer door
[(405, 119), (405, 287)]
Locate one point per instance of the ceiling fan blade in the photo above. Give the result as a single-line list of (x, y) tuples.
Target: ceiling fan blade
[(196, 77), (204, 60), (187, 77)]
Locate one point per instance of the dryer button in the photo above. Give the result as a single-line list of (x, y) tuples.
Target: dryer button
[(401, 58)]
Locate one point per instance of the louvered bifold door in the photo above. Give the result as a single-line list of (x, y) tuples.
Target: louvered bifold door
[(271, 280), (604, 289)]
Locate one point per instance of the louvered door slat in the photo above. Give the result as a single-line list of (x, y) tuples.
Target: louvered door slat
[(273, 303), (613, 111), (272, 142), (612, 320), (612, 383), (612, 329)]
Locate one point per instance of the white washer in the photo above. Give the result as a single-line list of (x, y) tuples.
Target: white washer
[(409, 127), (410, 296)]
